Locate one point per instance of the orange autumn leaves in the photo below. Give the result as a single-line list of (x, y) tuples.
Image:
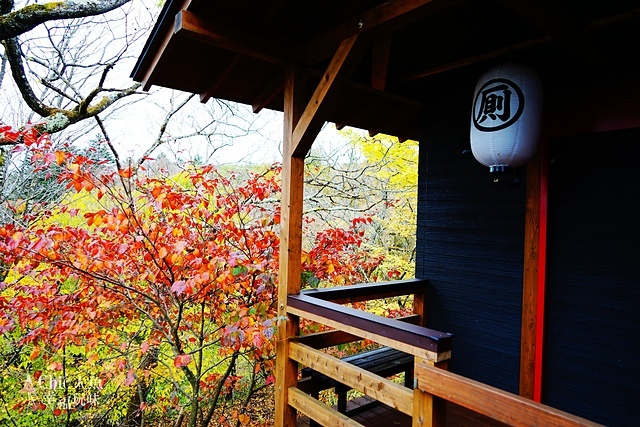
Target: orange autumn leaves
[(187, 264)]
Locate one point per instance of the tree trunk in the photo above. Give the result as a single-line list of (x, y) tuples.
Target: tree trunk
[(135, 415)]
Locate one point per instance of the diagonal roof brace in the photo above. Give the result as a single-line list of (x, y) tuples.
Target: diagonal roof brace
[(341, 67)]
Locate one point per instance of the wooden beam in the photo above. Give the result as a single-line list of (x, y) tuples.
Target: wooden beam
[(290, 247), (564, 32), (380, 60), (318, 411), (406, 120), (340, 68), (386, 17), (475, 59), (527, 44), (219, 34), (268, 93), (498, 404), (209, 89), (604, 117), (372, 385)]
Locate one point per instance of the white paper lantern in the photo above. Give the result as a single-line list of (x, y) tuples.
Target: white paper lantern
[(506, 116)]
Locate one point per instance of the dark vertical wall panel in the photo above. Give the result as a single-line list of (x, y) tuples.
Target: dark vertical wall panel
[(592, 339), (470, 245)]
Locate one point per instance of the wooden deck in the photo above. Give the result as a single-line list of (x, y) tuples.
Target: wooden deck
[(384, 416)]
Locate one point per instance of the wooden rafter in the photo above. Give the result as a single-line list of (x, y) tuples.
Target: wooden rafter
[(475, 59), (274, 9), (268, 93), (223, 36), (380, 60), (383, 18), (571, 36), (218, 81)]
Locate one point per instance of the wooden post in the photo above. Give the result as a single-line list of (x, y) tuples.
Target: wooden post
[(302, 122), (428, 410), (419, 308), (290, 247), (534, 275)]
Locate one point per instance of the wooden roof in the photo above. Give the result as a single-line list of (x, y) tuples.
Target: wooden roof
[(413, 54)]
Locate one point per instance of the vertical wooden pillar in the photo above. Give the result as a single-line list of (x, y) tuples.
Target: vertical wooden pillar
[(302, 122), (428, 410), (419, 307), (534, 274), (290, 246)]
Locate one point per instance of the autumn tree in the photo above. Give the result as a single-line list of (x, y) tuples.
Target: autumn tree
[(165, 291), (374, 177), (64, 70)]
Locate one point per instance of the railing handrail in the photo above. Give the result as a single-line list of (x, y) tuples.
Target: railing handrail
[(333, 337), (492, 402), (368, 325), (368, 291)]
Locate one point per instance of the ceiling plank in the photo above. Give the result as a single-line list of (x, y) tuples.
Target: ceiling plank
[(340, 68), (224, 36), (274, 9)]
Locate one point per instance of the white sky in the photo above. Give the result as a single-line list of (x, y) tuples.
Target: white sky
[(237, 136)]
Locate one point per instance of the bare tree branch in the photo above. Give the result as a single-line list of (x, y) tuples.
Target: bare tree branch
[(16, 22), (57, 119), (163, 129)]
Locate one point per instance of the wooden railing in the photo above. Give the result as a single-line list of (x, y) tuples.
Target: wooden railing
[(405, 334), (433, 386), (492, 402)]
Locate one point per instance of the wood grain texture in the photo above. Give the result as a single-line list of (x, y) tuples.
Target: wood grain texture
[(336, 337), (530, 278), (490, 401), (318, 411), (290, 250), (413, 339), (377, 387)]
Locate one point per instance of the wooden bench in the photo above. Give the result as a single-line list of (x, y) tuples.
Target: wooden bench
[(383, 361)]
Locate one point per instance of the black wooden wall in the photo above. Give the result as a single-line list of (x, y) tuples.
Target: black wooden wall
[(592, 357), (470, 245)]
